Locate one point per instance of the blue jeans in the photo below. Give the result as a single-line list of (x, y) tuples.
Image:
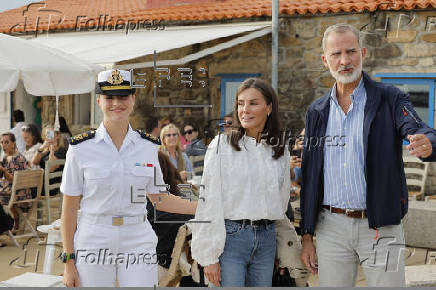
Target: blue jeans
[(248, 257)]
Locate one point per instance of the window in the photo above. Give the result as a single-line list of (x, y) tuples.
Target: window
[(229, 87)]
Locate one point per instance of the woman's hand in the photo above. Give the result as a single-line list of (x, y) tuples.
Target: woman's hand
[(213, 274), (45, 146), (184, 174), (71, 277), (295, 192), (295, 162)]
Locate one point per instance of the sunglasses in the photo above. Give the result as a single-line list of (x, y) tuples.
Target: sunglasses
[(173, 135), (190, 131)]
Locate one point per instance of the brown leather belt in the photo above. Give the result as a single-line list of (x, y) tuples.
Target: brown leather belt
[(358, 214)]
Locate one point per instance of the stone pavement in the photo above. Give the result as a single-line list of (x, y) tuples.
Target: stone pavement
[(414, 256)]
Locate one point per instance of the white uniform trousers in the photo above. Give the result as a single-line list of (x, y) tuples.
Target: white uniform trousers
[(107, 253), (343, 242)]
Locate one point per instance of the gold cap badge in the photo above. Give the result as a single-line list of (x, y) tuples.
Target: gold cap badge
[(115, 78)]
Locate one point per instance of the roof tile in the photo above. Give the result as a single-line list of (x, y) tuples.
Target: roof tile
[(176, 10)]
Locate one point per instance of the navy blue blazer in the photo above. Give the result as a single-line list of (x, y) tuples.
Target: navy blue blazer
[(389, 118)]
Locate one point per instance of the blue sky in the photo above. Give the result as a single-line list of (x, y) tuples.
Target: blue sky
[(10, 4)]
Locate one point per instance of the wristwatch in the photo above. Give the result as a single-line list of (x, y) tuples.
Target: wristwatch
[(67, 256)]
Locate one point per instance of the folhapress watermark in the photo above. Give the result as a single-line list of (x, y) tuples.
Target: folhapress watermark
[(107, 257), (107, 23), (39, 18)]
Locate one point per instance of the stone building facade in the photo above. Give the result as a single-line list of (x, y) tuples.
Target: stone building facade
[(397, 42)]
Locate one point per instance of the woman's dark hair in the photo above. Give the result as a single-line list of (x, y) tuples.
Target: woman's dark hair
[(170, 174), (194, 127), (63, 127), (18, 116), (272, 129), (34, 131), (151, 123), (10, 135)]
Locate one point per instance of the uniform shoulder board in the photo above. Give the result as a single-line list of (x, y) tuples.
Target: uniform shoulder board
[(149, 137), (81, 137)]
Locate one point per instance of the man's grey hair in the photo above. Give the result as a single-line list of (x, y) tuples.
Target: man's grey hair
[(340, 28)]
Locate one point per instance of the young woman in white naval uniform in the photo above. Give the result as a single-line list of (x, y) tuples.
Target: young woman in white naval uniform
[(107, 173)]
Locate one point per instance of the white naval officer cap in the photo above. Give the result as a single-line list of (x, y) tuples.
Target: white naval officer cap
[(114, 82)]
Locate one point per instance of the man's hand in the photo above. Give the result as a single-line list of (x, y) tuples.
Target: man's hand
[(213, 274), (420, 145), (308, 254), (295, 162)]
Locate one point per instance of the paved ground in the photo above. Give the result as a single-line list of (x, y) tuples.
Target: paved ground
[(10, 252)]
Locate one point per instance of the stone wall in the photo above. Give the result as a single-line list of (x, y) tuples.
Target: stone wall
[(397, 41), (411, 49), (302, 76)]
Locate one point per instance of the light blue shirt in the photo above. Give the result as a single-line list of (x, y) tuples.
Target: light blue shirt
[(344, 175), (188, 165)]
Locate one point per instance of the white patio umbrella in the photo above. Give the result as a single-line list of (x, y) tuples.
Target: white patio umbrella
[(44, 71)]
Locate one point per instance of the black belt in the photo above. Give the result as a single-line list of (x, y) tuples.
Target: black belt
[(254, 223)]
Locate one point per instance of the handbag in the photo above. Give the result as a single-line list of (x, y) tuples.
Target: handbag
[(282, 278), (6, 221)]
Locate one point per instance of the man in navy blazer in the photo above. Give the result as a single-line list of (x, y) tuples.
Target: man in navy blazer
[(354, 193)]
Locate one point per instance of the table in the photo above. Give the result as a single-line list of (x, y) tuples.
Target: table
[(418, 224), (30, 279), (54, 236)]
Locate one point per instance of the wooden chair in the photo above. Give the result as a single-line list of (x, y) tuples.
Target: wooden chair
[(25, 179), (415, 177), (48, 187), (197, 164), (430, 198)]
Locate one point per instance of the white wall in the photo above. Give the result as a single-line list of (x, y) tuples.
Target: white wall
[(5, 112), (24, 102)]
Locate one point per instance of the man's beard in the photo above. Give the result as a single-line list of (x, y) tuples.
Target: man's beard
[(346, 79)]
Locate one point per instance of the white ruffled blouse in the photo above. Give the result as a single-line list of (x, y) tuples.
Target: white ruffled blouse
[(246, 184)]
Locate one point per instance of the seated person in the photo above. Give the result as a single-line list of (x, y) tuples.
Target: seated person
[(12, 161), (296, 164), (65, 131), (195, 145), (53, 148), (33, 140), (228, 123), (171, 146)]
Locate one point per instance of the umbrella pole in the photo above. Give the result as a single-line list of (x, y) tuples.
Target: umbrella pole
[(56, 124)]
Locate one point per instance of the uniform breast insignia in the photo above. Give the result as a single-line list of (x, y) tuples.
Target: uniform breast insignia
[(81, 137), (149, 137)]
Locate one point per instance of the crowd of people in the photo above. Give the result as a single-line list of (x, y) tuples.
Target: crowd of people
[(24, 148)]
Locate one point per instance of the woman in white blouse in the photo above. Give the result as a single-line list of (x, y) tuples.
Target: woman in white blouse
[(33, 140), (246, 187)]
